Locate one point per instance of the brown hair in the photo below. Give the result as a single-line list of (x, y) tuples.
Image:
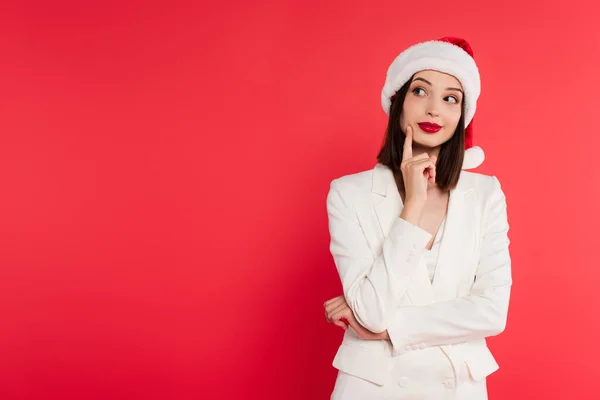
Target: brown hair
[(452, 153)]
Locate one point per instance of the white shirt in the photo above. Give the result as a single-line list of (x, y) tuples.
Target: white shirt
[(431, 256)]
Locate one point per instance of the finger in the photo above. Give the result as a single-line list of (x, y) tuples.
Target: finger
[(341, 324), (428, 171), (431, 173), (327, 316), (332, 300), (337, 309), (407, 148), (426, 167), (334, 307), (421, 164), (422, 156), (425, 163), (333, 303), (341, 314)]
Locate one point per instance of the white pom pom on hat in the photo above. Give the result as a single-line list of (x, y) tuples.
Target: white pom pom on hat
[(450, 55)]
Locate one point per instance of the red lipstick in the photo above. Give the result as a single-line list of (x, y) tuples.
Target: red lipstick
[(429, 127)]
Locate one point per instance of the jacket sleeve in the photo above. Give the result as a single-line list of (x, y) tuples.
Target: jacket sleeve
[(372, 285), (483, 312)]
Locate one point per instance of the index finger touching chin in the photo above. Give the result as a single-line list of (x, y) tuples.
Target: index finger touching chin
[(407, 148)]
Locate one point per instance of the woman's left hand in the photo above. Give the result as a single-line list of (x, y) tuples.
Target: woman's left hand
[(338, 312)]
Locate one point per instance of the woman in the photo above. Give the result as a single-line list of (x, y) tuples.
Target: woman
[(421, 245)]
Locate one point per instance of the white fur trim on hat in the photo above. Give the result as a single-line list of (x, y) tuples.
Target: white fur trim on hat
[(474, 157), (439, 56)]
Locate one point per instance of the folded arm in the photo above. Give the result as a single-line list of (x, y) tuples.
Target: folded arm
[(480, 314), (372, 285)]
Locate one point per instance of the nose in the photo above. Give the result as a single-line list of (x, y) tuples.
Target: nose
[(432, 107), (432, 111)]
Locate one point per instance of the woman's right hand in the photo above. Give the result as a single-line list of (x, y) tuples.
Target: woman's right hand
[(416, 171)]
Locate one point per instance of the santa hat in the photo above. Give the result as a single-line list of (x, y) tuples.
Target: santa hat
[(450, 55)]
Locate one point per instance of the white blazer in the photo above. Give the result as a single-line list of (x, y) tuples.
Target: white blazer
[(386, 284)]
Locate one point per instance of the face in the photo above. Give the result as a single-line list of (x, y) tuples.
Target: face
[(432, 107)]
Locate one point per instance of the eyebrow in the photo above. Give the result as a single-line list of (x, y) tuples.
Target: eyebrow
[(429, 83)]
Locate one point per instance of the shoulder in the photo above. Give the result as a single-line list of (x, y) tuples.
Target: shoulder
[(358, 181), (356, 187), (479, 181), (488, 187)]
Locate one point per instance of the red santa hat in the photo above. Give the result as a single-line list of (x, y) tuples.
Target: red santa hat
[(450, 55)]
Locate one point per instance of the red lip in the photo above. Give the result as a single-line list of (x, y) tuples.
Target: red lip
[(429, 127)]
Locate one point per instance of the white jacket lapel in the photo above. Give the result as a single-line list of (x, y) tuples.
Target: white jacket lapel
[(388, 211), (446, 281), (447, 276)]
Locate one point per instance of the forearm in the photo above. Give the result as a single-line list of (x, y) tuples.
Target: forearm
[(460, 320), (373, 295), (412, 212), (481, 313), (378, 317), (373, 285)]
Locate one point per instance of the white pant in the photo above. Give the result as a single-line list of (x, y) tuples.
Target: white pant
[(348, 387)]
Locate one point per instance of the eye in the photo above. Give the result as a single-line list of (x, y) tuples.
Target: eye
[(417, 89), (454, 99)]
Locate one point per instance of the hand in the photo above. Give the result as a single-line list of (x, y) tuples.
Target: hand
[(416, 171), (338, 312)]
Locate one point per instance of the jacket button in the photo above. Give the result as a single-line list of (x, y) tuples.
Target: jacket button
[(403, 382), (449, 383)]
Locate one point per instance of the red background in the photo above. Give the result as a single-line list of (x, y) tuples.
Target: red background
[(164, 167)]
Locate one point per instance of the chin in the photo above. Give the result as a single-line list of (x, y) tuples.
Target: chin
[(429, 141)]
